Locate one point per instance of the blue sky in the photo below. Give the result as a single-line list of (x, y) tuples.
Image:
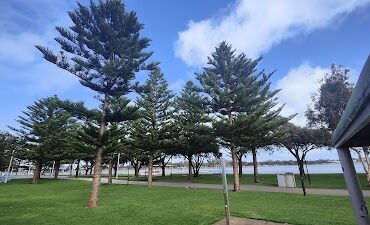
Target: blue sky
[(297, 38)]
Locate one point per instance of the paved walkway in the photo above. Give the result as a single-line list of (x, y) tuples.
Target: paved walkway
[(249, 187), (244, 221)]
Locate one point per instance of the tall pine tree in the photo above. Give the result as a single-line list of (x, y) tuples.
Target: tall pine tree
[(42, 126), (239, 94), (103, 48), (195, 138), (156, 104)]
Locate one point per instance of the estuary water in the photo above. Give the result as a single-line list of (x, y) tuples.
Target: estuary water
[(273, 169)]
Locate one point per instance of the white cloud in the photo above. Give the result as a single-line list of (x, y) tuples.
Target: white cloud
[(297, 88), (177, 85), (46, 77), (254, 27), (24, 25), (19, 49)]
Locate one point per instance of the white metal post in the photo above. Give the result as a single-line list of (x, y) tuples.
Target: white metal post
[(29, 168), (226, 194), (119, 155), (10, 164), (128, 173), (52, 169), (353, 186)]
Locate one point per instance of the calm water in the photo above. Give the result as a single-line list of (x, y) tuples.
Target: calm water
[(319, 168)]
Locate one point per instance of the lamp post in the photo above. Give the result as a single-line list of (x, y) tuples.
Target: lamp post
[(128, 173), (118, 156), (10, 164), (226, 194), (52, 169)]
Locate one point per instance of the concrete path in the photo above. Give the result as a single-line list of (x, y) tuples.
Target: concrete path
[(249, 187), (244, 221)]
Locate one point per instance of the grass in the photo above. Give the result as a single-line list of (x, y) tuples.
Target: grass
[(331, 181), (62, 202)]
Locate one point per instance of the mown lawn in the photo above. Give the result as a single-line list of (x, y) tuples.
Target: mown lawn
[(334, 181), (62, 202)]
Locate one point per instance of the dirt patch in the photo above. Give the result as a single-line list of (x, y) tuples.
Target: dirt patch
[(244, 221)]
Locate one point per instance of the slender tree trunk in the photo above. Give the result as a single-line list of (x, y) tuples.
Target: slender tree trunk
[(196, 170), (87, 168), (95, 187), (56, 170), (78, 168), (136, 168), (240, 164), (364, 161), (190, 164), (367, 167), (91, 167), (110, 172), (163, 171), (235, 167), (163, 166), (255, 166), (301, 173), (71, 168), (37, 172), (150, 170), (115, 169)]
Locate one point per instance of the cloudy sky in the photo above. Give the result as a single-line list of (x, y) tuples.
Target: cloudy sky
[(298, 39)]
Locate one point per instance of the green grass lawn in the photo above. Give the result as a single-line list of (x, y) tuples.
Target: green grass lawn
[(62, 202), (335, 181)]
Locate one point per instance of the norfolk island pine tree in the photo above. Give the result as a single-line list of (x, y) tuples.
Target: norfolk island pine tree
[(104, 49)]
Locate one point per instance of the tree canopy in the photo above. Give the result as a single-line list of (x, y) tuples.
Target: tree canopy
[(239, 94)]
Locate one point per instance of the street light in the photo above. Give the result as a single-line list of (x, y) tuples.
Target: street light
[(10, 164), (118, 156)]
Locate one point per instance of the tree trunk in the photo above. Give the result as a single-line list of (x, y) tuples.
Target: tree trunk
[(190, 164), (87, 168), (136, 168), (367, 167), (163, 171), (95, 187), (301, 173), (240, 163), (56, 170), (71, 168), (235, 167), (110, 172), (196, 171), (37, 172), (78, 168), (163, 166), (150, 170), (255, 166), (115, 168), (91, 167), (364, 161)]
